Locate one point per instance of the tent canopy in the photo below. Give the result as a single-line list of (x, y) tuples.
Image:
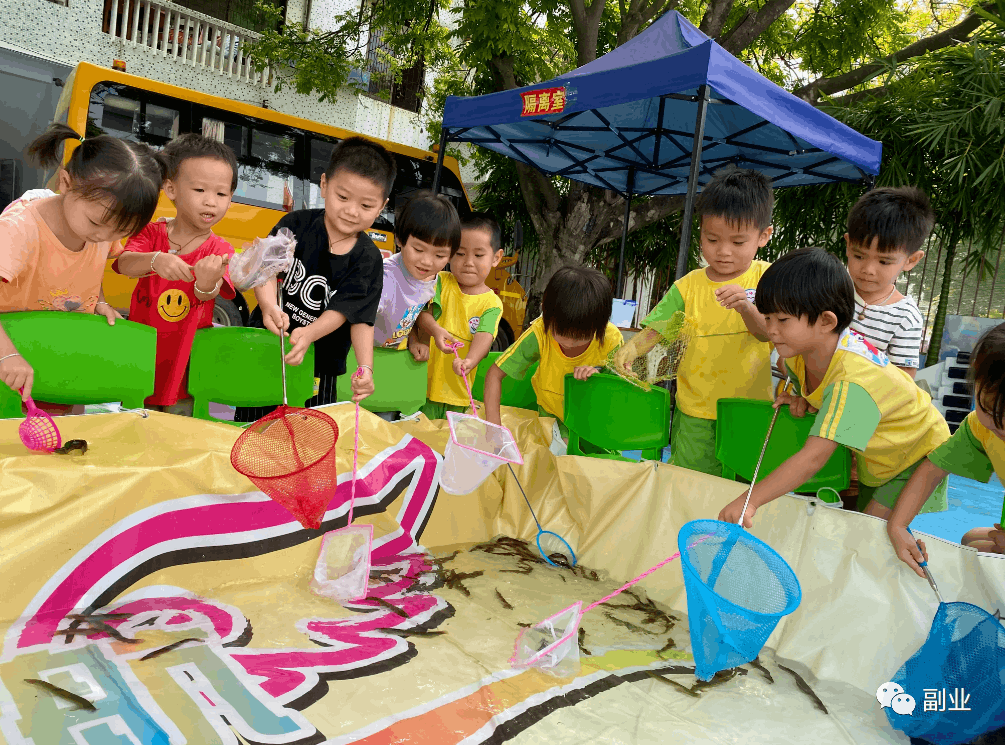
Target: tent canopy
[(626, 121)]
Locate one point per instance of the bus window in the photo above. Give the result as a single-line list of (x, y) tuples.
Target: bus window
[(272, 148), (321, 155), (161, 123), (118, 116)]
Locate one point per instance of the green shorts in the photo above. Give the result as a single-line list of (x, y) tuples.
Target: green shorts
[(437, 410), (887, 493), (692, 444)]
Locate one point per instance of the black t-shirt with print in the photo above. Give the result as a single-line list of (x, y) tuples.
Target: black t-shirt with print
[(320, 280)]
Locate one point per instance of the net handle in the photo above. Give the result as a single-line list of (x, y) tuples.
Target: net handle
[(282, 350), (355, 456), (764, 449), (471, 396)]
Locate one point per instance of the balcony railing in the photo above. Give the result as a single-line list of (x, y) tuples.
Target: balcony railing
[(169, 30)]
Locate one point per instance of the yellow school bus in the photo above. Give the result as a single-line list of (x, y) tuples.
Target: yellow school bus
[(280, 161)]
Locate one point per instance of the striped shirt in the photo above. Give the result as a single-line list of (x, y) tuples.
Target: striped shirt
[(895, 329)]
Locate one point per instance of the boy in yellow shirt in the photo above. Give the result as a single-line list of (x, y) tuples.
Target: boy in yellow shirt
[(864, 402), (573, 335), (463, 309), (727, 357), (975, 451)]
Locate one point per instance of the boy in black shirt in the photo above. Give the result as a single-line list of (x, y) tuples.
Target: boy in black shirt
[(331, 293)]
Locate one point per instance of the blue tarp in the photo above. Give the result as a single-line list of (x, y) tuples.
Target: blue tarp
[(636, 107)]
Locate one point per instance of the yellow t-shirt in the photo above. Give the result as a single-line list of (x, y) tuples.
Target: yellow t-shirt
[(872, 407), (723, 359), (974, 452), (549, 381), (463, 316)]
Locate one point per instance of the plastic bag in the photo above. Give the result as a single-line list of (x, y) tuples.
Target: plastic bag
[(343, 569), (551, 646), (262, 260)]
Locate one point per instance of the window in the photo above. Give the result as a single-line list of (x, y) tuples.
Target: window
[(406, 93), (134, 114), (120, 115)]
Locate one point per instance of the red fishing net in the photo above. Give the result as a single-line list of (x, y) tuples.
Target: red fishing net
[(290, 455)]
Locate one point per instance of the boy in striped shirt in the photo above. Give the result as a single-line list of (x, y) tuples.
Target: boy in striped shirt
[(886, 229), (864, 402)]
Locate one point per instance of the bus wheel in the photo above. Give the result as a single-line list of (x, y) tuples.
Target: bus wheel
[(504, 338), (226, 313)]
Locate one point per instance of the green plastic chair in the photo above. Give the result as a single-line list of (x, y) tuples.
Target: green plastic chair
[(399, 381), (606, 415), (742, 424), (79, 359), (239, 366), (516, 393)]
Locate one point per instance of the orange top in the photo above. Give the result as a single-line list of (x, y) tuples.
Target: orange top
[(39, 272)]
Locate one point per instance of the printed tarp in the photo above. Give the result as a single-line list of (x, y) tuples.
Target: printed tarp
[(153, 522)]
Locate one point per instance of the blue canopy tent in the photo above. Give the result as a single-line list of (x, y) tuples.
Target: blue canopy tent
[(629, 121)]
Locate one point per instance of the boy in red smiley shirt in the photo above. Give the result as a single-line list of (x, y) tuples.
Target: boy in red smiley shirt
[(181, 264)]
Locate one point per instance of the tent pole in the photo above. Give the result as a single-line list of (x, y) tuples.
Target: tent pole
[(692, 181), (624, 230), (439, 160)]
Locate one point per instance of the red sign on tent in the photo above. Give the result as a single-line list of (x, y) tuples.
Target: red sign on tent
[(543, 101)]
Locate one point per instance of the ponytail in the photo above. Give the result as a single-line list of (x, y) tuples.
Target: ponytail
[(128, 174)]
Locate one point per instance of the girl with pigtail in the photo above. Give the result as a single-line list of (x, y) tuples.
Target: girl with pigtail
[(53, 247)]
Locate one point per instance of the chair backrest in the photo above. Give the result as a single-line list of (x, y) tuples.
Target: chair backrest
[(399, 381), (240, 367), (741, 426), (613, 414), (79, 359), (516, 393)]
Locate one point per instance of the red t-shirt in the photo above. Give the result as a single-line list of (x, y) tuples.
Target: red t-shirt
[(172, 308)]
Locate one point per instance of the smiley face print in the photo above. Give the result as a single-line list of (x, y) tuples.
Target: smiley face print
[(173, 305)]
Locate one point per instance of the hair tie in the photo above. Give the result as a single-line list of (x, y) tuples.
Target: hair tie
[(81, 139)]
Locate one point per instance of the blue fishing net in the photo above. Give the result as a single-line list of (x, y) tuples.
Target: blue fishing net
[(957, 678), (737, 590)]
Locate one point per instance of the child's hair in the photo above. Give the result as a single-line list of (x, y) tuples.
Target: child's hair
[(741, 197), (987, 373), (577, 303), (365, 158), (194, 145), (807, 282), (484, 221), (129, 174), (901, 218), (431, 219)]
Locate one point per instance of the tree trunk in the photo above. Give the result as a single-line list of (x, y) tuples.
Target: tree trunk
[(935, 343)]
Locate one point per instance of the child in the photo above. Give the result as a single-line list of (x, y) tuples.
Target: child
[(864, 402), (572, 335), (181, 263), (331, 294), (53, 249), (727, 357), (975, 451), (464, 310), (886, 229), (428, 234)]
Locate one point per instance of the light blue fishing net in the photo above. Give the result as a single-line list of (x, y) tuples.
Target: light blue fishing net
[(737, 590)]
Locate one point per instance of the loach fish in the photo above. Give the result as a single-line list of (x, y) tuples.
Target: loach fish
[(502, 600), (673, 684), (169, 647), (805, 688), (666, 647), (80, 701), (627, 625), (95, 626), (405, 633), (453, 579), (390, 606), (582, 638), (757, 665), (99, 616), (80, 445)]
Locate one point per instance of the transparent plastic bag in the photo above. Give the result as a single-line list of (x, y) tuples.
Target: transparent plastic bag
[(262, 260), (343, 569), (551, 646)]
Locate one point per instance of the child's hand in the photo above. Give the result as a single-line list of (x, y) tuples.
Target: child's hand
[(731, 512), (419, 350), (362, 384), (798, 406), (463, 367), (998, 536), (18, 375), (274, 319), (444, 341), (209, 270), (733, 297), (106, 310), (301, 341), (582, 373), (906, 548), (173, 268), (624, 357)]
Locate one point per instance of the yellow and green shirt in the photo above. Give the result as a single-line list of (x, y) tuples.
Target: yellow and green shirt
[(463, 316), (872, 407), (974, 452), (549, 381), (723, 359)]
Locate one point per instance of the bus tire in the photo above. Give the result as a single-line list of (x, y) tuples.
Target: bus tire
[(226, 313), (504, 338)]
